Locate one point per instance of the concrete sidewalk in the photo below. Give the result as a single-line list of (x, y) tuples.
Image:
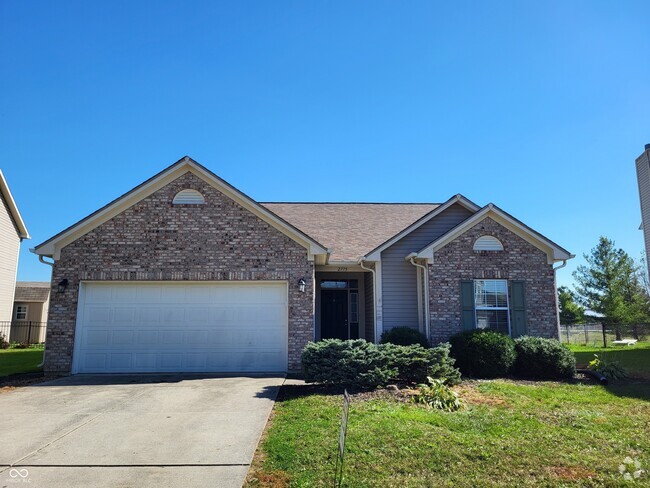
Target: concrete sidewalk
[(106, 431)]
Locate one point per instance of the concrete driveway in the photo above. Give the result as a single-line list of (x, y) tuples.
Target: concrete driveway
[(140, 431)]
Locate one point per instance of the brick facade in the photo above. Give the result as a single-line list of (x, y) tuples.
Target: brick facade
[(519, 260), (154, 241)]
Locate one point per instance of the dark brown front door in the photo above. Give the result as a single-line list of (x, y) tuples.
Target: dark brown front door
[(334, 314)]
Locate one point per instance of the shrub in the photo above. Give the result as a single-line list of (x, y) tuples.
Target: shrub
[(3, 342), (415, 363), (437, 395), (354, 363), (483, 353), (612, 370), (541, 358), (18, 345), (363, 364), (404, 336)]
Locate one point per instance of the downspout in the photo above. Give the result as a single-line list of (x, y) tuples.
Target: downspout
[(557, 302), (51, 264), (411, 257), (374, 297)]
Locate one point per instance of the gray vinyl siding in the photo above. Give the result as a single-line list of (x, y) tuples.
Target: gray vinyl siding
[(370, 307), (643, 178), (9, 246), (399, 277)]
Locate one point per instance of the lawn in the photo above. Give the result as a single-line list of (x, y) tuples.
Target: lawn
[(509, 434), (636, 359), (20, 361)]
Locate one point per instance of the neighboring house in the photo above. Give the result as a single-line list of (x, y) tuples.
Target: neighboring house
[(12, 232), (187, 273), (29, 319), (643, 179)]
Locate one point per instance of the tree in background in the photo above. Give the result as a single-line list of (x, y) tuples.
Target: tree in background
[(570, 311), (611, 284)]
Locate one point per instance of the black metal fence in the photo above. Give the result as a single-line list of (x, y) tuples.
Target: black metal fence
[(595, 334), (23, 332)]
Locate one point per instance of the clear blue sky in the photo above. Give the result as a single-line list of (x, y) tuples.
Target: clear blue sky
[(539, 107)]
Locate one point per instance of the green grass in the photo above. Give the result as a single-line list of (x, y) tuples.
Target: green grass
[(20, 361), (509, 434), (636, 359)]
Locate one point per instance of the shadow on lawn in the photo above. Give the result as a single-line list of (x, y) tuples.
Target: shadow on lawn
[(639, 389)]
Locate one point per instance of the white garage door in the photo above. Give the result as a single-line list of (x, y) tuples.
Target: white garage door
[(175, 327)]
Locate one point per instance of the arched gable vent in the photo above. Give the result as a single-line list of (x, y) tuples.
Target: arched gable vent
[(188, 197), (488, 243)]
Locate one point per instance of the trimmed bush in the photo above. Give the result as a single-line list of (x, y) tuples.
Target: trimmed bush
[(404, 336), (362, 364), (414, 364), (546, 359), (481, 353), (353, 363)]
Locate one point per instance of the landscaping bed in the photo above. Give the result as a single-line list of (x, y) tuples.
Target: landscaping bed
[(509, 433)]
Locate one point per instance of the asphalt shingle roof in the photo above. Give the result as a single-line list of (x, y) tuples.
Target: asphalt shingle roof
[(32, 291), (350, 229)]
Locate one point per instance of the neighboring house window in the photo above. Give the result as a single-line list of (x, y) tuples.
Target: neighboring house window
[(488, 243), (188, 197), (21, 312), (491, 305)]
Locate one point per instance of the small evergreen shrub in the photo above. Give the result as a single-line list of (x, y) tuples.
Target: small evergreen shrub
[(362, 364), (541, 358), (404, 336), (483, 353), (354, 363), (414, 364), (3, 342), (436, 394)]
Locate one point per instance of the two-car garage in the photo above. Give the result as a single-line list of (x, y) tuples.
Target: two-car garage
[(127, 327)]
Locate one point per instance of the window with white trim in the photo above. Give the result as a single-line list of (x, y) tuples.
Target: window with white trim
[(488, 243), (188, 197), (491, 305), (21, 312)]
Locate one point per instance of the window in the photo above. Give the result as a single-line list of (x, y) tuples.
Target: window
[(488, 243), (339, 284), (491, 304), (21, 312), (188, 197)]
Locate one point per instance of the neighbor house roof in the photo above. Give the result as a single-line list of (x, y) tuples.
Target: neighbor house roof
[(351, 230), (13, 209), (32, 291)]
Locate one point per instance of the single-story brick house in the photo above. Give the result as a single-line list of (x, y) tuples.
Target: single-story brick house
[(187, 273)]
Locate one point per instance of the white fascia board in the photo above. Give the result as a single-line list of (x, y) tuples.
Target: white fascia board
[(554, 252), (13, 208), (375, 254), (53, 246)]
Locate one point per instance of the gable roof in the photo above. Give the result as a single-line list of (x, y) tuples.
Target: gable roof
[(13, 209), (351, 230), (553, 250), (32, 291), (52, 247), (375, 254)]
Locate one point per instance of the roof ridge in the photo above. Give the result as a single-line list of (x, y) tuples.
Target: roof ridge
[(352, 203)]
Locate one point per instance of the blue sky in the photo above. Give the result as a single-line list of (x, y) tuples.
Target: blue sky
[(539, 107)]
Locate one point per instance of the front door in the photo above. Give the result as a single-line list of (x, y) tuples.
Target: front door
[(334, 314)]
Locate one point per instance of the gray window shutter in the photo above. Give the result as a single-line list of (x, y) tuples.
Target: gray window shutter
[(468, 319), (518, 325)]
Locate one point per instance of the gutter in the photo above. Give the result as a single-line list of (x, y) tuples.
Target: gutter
[(557, 302), (374, 296), (40, 258), (411, 259)]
